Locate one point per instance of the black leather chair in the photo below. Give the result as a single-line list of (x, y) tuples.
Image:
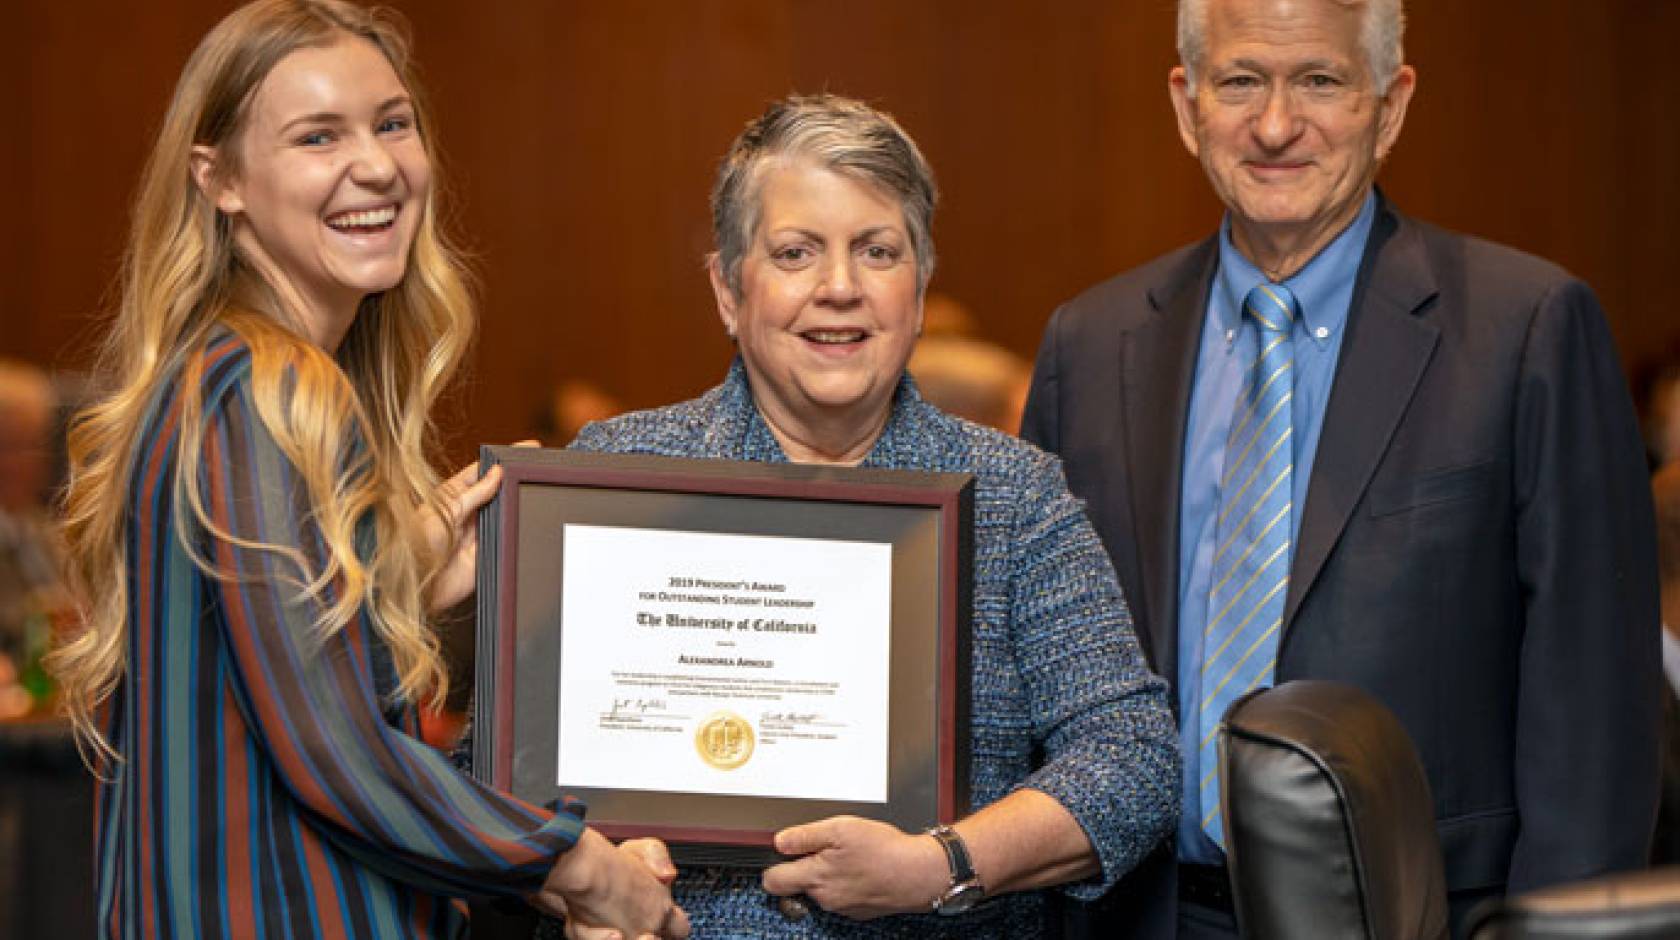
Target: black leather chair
[(1641, 905), (1329, 826)]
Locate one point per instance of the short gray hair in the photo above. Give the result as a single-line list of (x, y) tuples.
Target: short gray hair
[(1381, 34), (841, 134)]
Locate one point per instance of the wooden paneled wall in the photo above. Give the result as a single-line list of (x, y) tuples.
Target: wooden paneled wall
[(581, 137)]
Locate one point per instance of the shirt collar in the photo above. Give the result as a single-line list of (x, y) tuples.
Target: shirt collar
[(1324, 287)]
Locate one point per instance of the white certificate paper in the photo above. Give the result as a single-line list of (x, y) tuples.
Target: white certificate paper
[(746, 665)]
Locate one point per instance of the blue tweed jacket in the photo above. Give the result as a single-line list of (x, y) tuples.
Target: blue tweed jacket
[(1063, 700)]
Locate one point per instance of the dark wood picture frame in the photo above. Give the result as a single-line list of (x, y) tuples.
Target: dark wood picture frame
[(928, 517)]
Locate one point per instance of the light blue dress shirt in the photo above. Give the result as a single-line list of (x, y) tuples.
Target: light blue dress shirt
[(1229, 342)]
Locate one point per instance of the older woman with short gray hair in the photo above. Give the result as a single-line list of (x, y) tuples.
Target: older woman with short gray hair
[(822, 214)]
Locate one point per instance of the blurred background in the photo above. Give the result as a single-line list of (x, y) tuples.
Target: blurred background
[(580, 140)]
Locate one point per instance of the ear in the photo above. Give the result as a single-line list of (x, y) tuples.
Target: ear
[(1393, 107), (222, 193), (1184, 106), (726, 301)]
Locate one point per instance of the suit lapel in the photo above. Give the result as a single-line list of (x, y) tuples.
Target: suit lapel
[(1158, 363), (1387, 349)]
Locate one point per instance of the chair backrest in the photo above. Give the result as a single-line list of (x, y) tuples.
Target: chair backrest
[(1633, 906), (1330, 829)]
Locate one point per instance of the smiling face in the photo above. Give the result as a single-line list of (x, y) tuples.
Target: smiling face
[(830, 303), (1285, 118), (330, 182)]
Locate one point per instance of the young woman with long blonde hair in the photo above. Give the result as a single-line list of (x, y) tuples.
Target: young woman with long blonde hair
[(259, 538)]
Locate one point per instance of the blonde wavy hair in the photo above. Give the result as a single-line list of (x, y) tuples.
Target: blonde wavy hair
[(182, 277)]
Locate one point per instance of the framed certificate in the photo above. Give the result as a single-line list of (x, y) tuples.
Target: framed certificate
[(710, 651)]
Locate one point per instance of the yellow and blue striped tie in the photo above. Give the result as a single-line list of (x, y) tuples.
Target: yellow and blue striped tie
[(1252, 535)]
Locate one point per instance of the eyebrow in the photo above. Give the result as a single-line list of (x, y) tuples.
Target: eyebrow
[(334, 117), (795, 230), (1312, 65), (864, 235), (873, 232)]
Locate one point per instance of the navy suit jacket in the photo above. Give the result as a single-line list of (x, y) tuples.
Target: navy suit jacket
[(1476, 549)]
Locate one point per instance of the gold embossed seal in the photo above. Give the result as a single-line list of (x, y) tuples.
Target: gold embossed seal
[(724, 740)]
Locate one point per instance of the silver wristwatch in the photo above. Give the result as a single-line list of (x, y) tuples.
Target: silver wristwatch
[(965, 890)]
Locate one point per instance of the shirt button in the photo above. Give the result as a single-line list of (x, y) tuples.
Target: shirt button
[(1321, 332)]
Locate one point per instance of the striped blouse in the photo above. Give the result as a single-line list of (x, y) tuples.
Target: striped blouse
[(267, 788)]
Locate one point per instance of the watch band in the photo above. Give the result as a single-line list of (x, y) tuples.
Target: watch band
[(965, 890), (962, 869)]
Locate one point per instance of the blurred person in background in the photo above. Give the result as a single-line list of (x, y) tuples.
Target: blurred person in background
[(572, 404), (960, 371), (30, 588), (972, 378), (1660, 411)]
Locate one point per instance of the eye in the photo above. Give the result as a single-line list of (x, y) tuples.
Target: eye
[(1238, 87), (1322, 85), (792, 257), (877, 255), (316, 138), (396, 124)]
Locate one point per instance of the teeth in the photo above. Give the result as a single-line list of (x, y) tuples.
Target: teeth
[(366, 218), (834, 336)]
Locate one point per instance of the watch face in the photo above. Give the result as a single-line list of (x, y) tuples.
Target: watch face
[(961, 898)]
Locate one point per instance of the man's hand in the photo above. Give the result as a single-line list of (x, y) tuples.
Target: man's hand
[(860, 868), (613, 893)]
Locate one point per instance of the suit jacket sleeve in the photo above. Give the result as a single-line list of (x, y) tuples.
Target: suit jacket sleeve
[(1038, 421), (1587, 724)]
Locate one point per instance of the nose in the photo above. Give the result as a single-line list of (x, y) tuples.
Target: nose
[(1278, 122), (372, 165), (839, 285)]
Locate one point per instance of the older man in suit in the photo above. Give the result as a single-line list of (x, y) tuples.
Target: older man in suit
[(1334, 442)]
